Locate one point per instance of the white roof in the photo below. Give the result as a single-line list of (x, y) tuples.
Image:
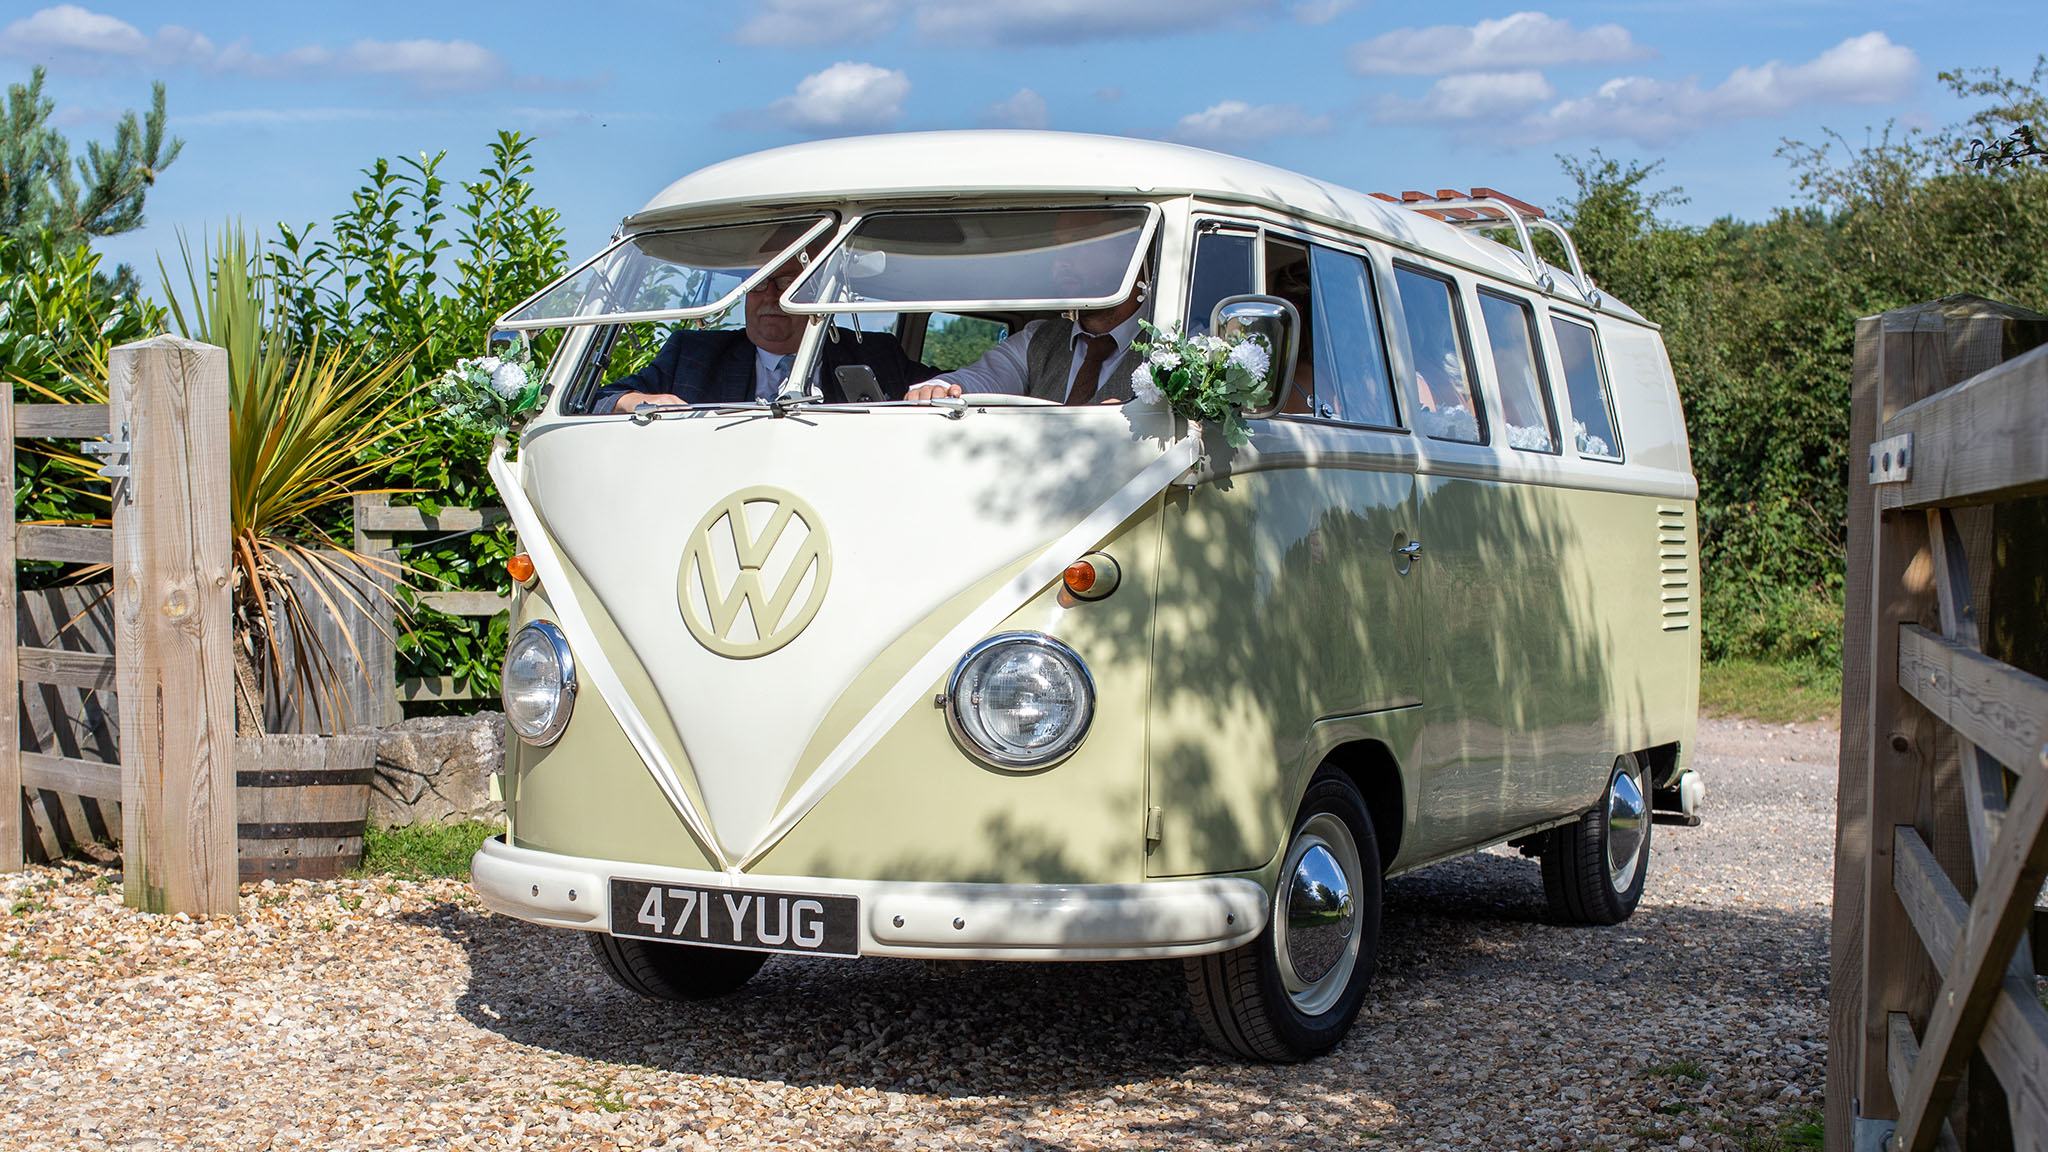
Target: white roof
[(1006, 161)]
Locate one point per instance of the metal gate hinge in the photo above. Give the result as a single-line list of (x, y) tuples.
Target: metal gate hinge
[(1891, 460)]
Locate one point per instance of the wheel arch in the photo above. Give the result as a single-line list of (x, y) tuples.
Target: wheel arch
[(1372, 769)]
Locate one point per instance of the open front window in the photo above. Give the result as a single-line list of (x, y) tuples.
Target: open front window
[(671, 274), (957, 261)]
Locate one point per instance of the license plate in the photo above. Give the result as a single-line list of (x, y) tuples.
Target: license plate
[(734, 918)]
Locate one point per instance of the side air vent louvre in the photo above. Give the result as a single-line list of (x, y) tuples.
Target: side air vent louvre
[(1674, 584)]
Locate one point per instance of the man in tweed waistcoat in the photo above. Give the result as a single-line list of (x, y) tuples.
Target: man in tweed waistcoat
[(1084, 360)]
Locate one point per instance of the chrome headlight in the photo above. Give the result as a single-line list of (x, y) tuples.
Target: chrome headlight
[(539, 684), (1020, 700)]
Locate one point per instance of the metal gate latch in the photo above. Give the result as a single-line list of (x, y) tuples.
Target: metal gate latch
[(115, 452)]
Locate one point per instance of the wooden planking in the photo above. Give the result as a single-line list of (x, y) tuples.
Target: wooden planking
[(66, 669), (59, 421), (1974, 976), (2015, 1039), (78, 723), (408, 518), (466, 603), (355, 634), (72, 777), (11, 855), (1981, 441), (435, 688), (1901, 1053), (172, 571), (1993, 705), (64, 545), (1875, 969)]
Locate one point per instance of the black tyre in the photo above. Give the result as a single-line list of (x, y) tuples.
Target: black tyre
[(1593, 870), (661, 971), (1293, 992)]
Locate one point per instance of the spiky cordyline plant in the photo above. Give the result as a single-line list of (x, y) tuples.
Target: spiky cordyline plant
[(306, 429)]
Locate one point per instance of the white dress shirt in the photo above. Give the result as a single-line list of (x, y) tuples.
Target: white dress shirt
[(1003, 368), (771, 370)]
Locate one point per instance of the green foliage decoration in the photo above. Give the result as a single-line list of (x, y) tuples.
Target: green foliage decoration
[(387, 277)]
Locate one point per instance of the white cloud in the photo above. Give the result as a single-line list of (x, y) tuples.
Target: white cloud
[(1864, 69), (73, 34), (1026, 109), (429, 65), (847, 97), (80, 36), (1511, 43), (67, 27), (802, 22), (1234, 123), (1470, 96), (792, 22), (1319, 11)]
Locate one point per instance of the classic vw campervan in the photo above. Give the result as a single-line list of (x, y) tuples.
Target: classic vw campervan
[(996, 677)]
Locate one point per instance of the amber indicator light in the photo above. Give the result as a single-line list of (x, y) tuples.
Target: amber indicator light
[(1080, 577), (521, 568)]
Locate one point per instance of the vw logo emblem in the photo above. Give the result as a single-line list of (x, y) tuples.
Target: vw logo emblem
[(758, 549)]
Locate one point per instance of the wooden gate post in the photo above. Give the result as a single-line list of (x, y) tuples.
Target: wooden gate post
[(10, 668), (172, 573)]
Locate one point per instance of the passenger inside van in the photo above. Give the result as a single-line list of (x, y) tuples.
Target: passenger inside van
[(1087, 359), (733, 366)]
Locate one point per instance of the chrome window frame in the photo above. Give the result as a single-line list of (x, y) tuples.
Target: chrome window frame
[(821, 222), (1148, 233)]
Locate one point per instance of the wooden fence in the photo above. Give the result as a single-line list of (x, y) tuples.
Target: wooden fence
[(379, 524), (164, 434), (1936, 1035)]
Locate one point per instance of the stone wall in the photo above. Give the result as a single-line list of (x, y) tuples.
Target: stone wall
[(436, 770)]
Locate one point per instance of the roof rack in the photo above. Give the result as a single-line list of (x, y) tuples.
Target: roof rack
[(1484, 208)]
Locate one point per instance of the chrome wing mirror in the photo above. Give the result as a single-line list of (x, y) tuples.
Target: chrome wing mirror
[(1276, 320)]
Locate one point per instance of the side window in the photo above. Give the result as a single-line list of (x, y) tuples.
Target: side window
[(1287, 276), (1352, 380), (1223, 267), (1524, 392), (1443, 367), (956, 341), (1586, 384)]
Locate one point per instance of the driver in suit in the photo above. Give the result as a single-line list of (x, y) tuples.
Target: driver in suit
[(733, 366)]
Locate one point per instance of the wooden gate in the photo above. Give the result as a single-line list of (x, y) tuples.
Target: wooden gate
[(1936, 1034), (164, 434)]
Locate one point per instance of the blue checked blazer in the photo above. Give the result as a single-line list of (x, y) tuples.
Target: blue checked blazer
[(717, 367)]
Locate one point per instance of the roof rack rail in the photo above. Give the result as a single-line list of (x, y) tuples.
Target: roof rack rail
[(1485, 208)]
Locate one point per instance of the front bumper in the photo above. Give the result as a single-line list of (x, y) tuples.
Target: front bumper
[(930, 920)]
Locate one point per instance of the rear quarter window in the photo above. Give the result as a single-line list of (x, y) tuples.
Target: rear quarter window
[(1594, 432)]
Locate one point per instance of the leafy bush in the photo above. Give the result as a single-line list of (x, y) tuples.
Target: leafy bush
[(57, 324), (386, 279), (1760, 319)]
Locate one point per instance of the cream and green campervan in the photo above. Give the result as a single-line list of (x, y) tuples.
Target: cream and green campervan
[(999, 678)]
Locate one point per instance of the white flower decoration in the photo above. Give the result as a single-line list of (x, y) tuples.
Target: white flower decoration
[(1165, 358), (507, 379), (1252, 358), (1143, 387)]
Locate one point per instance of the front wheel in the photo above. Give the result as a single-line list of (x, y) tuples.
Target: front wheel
[(1293, 992), (663, 971), (1593, 870)]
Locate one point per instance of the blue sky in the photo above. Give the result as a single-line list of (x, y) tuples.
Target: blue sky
[(280, 105)]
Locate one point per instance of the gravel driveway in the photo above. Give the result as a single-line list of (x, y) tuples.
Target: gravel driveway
[(381, 1014)]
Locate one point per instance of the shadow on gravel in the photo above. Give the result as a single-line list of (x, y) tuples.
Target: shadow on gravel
[(1471, 930)]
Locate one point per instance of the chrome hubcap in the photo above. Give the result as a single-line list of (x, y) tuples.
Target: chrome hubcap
[(1628, 824), (1315, 917)]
